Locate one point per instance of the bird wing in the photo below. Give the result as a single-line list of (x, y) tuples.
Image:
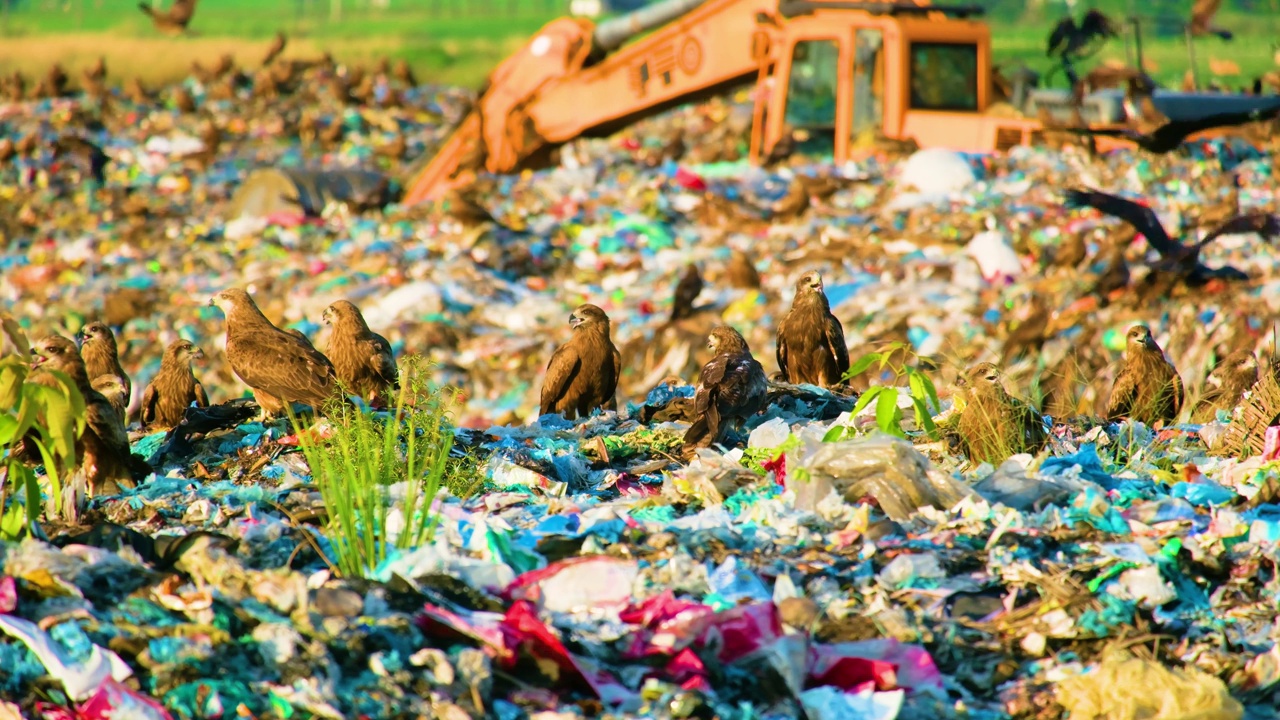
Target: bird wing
[(202, 400), (783, 329), (1122, 395), (149, 397), (1264, 224), (182, 10), (1065, 28), (102, 419), (1141, 218), (835, 341), (1203, 11), (1217, 120), (713, 373), (561, 370), (282, 365), (383, 360), (1179, 392)]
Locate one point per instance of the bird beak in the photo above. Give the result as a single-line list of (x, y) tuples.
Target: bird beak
[(37, 359), (198, 354), (326, 317), (574, 321)]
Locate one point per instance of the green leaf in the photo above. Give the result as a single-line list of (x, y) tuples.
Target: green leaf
[(12, 377), (862, 364), (923, 419), (8, 428), (12, 522), (835, 433), (887, 412), (866, 399)]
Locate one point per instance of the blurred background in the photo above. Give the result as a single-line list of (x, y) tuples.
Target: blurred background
[(459, 41)]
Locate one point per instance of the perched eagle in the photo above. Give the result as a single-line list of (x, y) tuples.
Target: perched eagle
[(811, 345), (279, 367), (993, 425), (1147, 388), (174, 388), (1235, 374), (583, 373), (102, 451), (361, 357), (687, 290), (101, 357), (731, 388)]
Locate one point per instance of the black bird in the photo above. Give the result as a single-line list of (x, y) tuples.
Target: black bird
[(1067, 39), (687, 290), (1184, 260), (1171, 135)]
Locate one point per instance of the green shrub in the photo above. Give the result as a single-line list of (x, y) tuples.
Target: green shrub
[(888, 416)]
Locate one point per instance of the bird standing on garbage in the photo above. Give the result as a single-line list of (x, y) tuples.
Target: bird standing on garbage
[(174, 388), (731, 388), (278, 367), (362, 358), (102, 451), (1147, 388), (687, 290), (1235, 374), (811, 347), (101, 355), (992, 424), (583, 373)]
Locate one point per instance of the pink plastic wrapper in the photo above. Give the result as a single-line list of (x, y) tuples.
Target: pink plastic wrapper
[(8, 595), (111, 701), (690, 181), (1271, 443), (579, 582), (886, 662)]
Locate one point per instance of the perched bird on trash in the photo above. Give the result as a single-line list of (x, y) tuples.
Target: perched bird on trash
[(404, 74), (102, 451), (362, 358), (731, 388), (583, 373), (88, 156), (1183, 261), (1148, 388), (113, 390), (687, 290), (1202, 13), (277, 366), (741, 272), (174, 388), (1170, 135), (101, 356), (992, 424), (811, 347), (173, 21), (1230, 378)]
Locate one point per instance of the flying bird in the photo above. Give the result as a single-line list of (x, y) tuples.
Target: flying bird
[(278, 367), (1235, 374), (362, 358), (731, 388), (173, 21), (811, 347), (1183, 260), (101, 356), (583, 373), (1148, 388), (174, 388), (1070, 42), (102, 451), (687, 290), (1202, 14), (992, 424), (1170, 135)]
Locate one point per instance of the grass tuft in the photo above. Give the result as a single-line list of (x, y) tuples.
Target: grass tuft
[(379, 472)]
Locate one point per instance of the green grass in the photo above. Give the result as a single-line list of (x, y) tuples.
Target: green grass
[(460, 41)]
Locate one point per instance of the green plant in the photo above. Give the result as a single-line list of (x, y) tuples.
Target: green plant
[(888, 415), (45, 419), (359, 454)]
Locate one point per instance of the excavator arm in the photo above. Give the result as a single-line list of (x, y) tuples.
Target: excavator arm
[(570, 80)]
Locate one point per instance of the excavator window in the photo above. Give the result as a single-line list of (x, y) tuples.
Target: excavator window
[(868, 85), (811, 89), (944, 76)]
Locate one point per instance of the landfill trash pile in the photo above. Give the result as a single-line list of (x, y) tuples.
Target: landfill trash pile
[(814, 566)]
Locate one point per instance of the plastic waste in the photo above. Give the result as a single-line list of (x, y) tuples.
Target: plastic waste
[(1128, 688)]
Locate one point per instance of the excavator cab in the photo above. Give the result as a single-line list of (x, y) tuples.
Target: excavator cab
[(844, 74)]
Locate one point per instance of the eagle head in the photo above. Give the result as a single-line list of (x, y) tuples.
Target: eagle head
[(55, 351), (1139, 338)]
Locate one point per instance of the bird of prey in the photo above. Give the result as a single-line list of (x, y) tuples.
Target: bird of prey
[(1233, 375), (113, 390), (1202, 13), (277, 47), (173, 21), (583, 373), (278, 367), (101, 356), (992, 424), (687, 290), (731, 388), (1069, 40), (811, 347), (362, 358), (89, 156), (1172, 134), (102, 451), (1182, 260), (174, 388), (741, 272), (1148, 388), (300, 335)]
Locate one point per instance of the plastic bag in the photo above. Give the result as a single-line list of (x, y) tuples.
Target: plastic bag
[(1128, 688)]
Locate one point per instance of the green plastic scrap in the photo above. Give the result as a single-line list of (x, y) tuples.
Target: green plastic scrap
[(656, 514), (281, 707), (1114, 612), (500, 547), (1111, 571)]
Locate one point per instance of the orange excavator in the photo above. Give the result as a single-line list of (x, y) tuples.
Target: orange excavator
[(837, 72)]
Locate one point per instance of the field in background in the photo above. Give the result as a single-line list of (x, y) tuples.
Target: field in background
[(459, 41)]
